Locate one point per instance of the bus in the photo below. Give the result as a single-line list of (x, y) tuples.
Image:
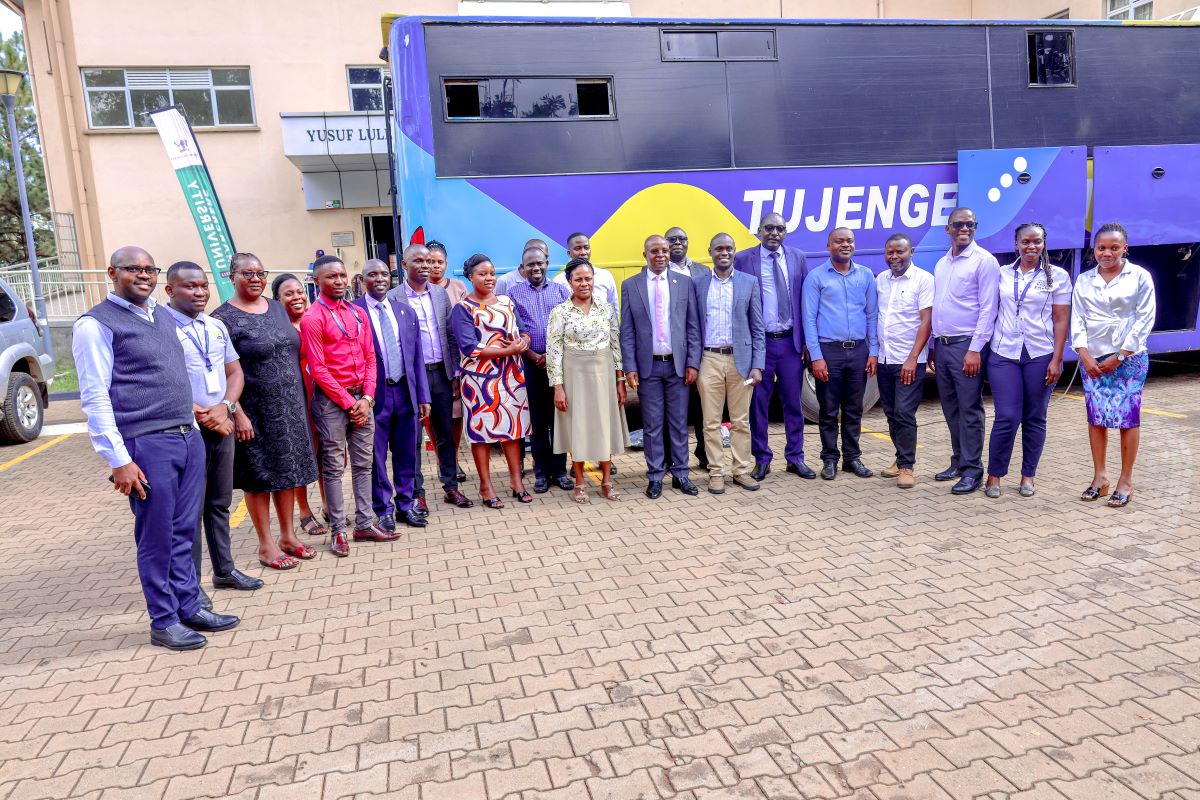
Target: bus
[(509, 129)]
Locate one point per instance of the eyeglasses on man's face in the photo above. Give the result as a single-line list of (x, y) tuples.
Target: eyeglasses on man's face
[(774, 228), (151, 271), (676, 239), (964, 225)]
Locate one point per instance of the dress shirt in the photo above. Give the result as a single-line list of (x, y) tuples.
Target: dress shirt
[(766, 276), (965, 295), (718, 312), (840, 308), (601, 279), (508, 280), (91, 346), (660, 337), (1028, 324), (338, 360), (571, 328), (901, 301), (1118, 315), (385, 307), (682, 269), (534, 306), (431, 338), (196, 333)]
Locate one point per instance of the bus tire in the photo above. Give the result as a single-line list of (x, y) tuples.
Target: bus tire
[(808, 398)]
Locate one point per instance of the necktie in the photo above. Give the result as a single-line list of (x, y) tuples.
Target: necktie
[(660, 312), (391, 345), (782, 296)]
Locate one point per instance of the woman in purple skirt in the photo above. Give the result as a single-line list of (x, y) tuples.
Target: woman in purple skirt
[(1111, 319)]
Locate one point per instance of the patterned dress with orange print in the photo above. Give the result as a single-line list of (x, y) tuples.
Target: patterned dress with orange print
[(495, 405)]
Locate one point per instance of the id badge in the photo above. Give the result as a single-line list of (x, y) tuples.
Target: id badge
[(212, 381)]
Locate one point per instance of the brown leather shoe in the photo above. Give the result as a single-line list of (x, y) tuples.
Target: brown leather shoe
[(456, 498), (375, 534), (421, 506), (890, 472), (905, 479), (339, 546)]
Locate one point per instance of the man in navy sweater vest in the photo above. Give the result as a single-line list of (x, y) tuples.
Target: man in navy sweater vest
[(134, 389)]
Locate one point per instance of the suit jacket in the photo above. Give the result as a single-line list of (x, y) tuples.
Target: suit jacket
[(749, 335), (441, 311), (637, 328), (748, 261), (409, 337)]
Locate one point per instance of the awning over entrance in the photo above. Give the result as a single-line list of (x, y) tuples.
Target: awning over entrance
[(342, 156)]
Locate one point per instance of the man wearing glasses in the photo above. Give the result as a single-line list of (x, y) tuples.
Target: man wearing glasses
[(780, 273), (965, 298), (134, 389)]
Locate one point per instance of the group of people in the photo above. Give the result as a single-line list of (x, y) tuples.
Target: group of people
[(271, 394)]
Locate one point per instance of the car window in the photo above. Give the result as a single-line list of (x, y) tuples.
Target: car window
[(8, 309)]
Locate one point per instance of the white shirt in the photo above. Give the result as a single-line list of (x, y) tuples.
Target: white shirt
[(770, 292), (682, 269), (1028, 324), (508, 280), (964, 295), (901, 301), (383, 307), (206, 374), (661, 337), (718, 312), (601, 279), (1118, 315)]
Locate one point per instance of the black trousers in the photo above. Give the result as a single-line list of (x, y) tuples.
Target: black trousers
[(900, 404), (962, 404), (213, 523), (546, 463), (441, 420), (842, 395)]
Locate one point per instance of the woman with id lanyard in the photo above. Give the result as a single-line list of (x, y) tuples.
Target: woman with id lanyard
[(1025, 359)]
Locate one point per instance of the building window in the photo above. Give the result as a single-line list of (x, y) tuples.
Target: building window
[(1052, 58), (528, 98), (366, 88), (211, 96), (1130, 9)]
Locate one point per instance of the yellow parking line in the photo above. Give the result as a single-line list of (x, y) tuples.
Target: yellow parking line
[(33, 452), (239, 514), (1145, 410), (592, 472), (879, 435)]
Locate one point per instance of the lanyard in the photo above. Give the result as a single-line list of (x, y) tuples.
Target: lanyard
[(1028, 286), (195, 341), (338, 321)]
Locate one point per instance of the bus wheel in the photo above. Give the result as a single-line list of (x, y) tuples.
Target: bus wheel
[(809, 396)]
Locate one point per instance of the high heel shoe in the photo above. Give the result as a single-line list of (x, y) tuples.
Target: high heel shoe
[(1094, 492), (609, 492), (522, 496)]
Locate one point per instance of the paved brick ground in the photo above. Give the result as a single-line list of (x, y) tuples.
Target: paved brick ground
[(813, 640)]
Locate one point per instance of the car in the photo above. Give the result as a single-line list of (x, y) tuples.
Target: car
[(25, 370)]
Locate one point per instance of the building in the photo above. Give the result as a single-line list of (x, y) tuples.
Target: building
[(286, 99)]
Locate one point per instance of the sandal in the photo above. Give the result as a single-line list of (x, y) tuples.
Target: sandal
[(1094, 493), (523, 496), (580, 495), (281, 562), (609, 492), (1119, 500), (303, 552), (310, 526), (493, 502)]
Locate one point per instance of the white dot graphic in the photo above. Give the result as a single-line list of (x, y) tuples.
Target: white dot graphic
[(1019, 163), (1006, 180), (993, 194)]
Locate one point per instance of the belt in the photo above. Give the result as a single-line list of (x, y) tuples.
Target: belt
[(391, 382), (357, 389), (848, 344), (664, 358), (780, 334), (433, 365), (182, 430), (950, 339), (725, 351)]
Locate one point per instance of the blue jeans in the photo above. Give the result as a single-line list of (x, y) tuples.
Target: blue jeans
[(1021, 398)]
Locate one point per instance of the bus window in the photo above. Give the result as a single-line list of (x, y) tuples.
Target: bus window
[(1051, 58), (528, 98), (747, 45)]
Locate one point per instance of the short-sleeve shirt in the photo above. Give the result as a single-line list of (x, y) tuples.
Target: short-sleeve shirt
[(207, 347), (1026, 315), (901, 301)]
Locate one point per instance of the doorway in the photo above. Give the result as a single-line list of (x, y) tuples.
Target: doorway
[(380, 239)]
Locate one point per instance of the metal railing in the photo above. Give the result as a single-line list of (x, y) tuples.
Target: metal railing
[(69, 290)]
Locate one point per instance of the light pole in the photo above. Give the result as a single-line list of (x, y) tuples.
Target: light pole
[(10, 82)]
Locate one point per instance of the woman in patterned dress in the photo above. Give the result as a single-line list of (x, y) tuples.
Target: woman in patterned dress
[(495, 405), (1111, 319)]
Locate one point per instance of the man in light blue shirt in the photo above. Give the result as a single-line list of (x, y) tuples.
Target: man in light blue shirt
[(841, 317)]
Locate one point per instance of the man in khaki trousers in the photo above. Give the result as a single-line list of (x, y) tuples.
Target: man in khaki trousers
[(731, 364)]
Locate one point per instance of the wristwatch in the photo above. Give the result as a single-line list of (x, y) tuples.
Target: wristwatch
[(231, 405), (1120, 356), (370, 400)]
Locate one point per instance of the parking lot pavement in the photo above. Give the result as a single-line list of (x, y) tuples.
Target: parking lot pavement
[(811, 640)]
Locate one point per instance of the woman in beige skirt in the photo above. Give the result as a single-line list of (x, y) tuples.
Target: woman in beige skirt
[(583, 363)]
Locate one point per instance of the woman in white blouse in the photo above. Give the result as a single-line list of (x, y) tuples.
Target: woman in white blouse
[(1111, 320), (583, 364), (1025, 359)]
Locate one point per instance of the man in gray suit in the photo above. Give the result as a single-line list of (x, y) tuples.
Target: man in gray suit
[(660, 347), (735, 350), (432, 307)]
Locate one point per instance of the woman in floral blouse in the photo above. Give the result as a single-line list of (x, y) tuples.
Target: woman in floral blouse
[(583, 363)]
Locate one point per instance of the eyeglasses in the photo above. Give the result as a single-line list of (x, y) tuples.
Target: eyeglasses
[(968, 225), (151, 271), (676, 239), (774, 228), (253, 275)]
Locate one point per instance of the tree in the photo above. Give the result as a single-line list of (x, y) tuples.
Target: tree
[(12, 232)]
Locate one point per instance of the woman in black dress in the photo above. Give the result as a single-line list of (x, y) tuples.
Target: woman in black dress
[(274, 454)]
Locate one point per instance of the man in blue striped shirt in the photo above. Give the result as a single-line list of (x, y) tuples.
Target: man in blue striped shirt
[(841, 317)]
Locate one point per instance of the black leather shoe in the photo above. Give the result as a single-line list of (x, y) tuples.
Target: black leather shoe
[(858, 468), (686, 486), (421, 507), (236, 580), (388, 523), (948, 474), (801, 469), (829, 471), (457, 499), (205, 600), (654, 490), (541, 485), (565, 482), (965, 485), (460, 476), (412, 519), (208, 621), (760, 471), (177, 637)]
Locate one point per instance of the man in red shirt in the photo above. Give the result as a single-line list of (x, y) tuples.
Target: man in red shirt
[(336, 337)]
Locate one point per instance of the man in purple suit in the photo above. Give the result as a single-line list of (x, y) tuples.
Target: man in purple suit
[(402, 399), (780, 272)]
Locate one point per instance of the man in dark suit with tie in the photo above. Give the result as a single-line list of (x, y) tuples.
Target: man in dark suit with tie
[(780, 272), (660, 347), (402, 399)]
